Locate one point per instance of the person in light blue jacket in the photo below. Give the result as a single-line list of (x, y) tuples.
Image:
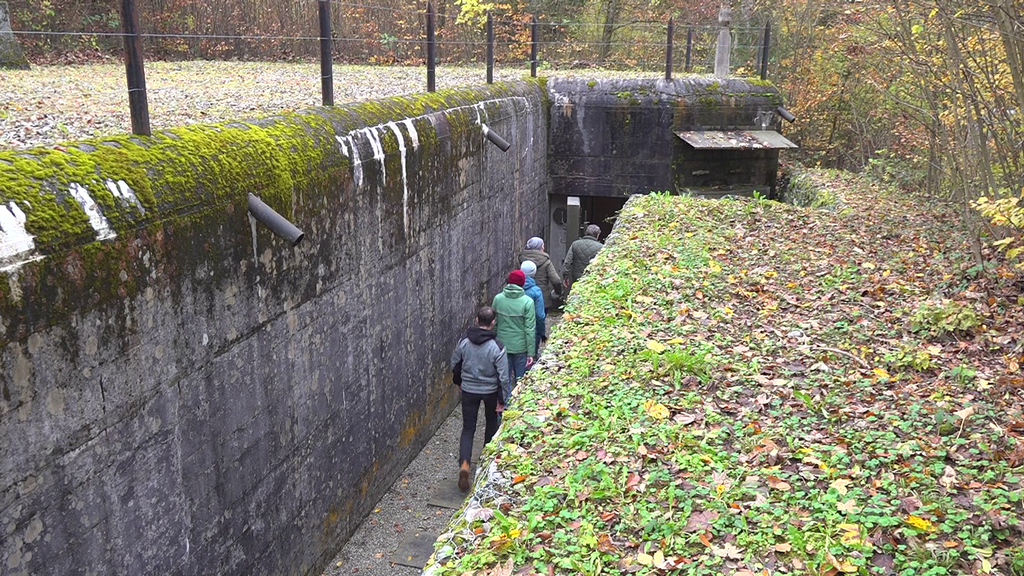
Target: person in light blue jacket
[(533, 291)]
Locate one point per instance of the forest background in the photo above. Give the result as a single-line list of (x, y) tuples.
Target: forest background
[(925, 94)]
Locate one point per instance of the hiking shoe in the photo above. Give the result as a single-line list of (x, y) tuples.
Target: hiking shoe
[(464, 477)]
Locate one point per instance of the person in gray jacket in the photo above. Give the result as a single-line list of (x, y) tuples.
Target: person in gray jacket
[(480, 367), (547, 277)]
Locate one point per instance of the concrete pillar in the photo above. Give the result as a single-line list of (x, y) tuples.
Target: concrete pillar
[(572, 220), (724, 48), (11, 55)]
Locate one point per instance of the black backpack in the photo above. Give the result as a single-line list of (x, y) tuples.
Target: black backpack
[(457, 373)]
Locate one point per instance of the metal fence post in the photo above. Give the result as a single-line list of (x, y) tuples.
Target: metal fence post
[(135, 68), (689, 46), (668, 51), (490, 49), (326, 54), (431, 49), (764, 49), (533, 46)]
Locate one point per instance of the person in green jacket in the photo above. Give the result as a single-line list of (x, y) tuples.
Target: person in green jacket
[(516, 326), (581, 252)]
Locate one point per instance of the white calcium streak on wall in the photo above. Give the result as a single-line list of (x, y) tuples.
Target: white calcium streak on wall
[(14, 239), (347, 144), (255, 255), (405, 181), (96, 219), (378, 151), (357, 163), (121, 190), (414, 136), (378, 154)]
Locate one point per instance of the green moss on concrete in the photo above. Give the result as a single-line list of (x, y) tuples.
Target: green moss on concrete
[(708, 101), (756, 81), (183, 169), (191, 181)]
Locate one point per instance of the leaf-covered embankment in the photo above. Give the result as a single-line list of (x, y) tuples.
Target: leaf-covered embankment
[(747, 387)]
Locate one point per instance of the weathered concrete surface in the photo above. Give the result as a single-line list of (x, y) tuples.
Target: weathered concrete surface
[(192, 396), (11, 55), (617, 137)]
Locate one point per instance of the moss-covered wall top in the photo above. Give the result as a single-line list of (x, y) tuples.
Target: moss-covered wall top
[(68, 197)]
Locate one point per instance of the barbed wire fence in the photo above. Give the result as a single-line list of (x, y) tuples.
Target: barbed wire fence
[(367, 33)]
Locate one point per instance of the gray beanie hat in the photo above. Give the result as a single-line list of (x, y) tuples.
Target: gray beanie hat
[(528, 268), (534, 243)]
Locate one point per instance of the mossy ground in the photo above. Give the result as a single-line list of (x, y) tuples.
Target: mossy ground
[(746, 387)]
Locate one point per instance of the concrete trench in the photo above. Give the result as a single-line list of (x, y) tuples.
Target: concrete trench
[(183, 370), (398, 535)]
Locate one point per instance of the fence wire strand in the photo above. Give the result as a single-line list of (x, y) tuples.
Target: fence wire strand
[(162, 35)]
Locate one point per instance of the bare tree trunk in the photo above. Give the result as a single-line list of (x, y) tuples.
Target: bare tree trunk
[(1006, 15), (611, 12)]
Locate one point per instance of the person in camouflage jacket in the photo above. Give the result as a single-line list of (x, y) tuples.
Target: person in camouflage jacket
[(581, 253)]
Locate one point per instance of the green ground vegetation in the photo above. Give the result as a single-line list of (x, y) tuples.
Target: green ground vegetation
[(746, 387)]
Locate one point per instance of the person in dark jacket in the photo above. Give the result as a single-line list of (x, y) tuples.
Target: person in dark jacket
[(533, 291), (581, 252), (483, 365), (547, 278)]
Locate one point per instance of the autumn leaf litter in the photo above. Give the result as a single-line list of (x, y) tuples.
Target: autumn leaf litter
[(746, 387)]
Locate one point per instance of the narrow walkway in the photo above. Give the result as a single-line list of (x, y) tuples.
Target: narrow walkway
[(405, 523), (403, 517)]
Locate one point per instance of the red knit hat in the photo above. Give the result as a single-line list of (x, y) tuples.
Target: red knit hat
[(517, 277)]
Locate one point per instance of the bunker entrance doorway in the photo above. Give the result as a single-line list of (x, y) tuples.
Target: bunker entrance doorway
[(570, 216), (599, 210)]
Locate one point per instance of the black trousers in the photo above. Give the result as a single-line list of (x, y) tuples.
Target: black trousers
[(470, 407)]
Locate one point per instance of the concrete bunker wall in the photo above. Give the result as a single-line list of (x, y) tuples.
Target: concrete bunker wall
[(183, 393), (616, 137), (612, 138)]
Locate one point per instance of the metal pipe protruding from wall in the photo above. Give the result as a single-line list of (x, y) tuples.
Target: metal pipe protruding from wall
[(271, 219), (496, 139), (786, 114)]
